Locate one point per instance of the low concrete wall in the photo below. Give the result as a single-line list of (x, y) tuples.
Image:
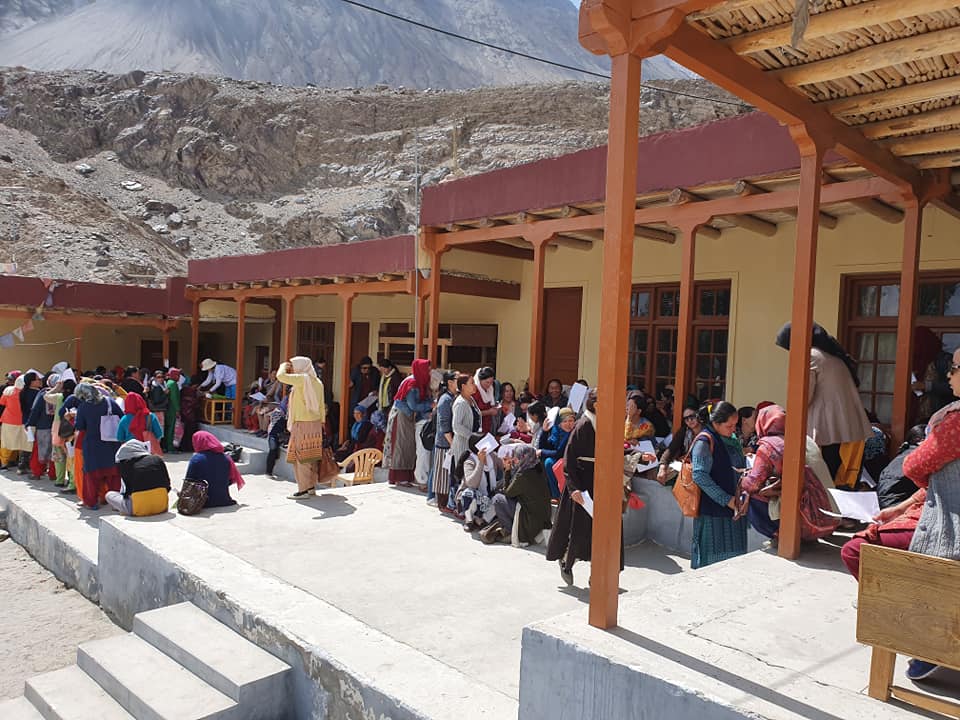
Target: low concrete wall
[(51, 532), (342, 668)]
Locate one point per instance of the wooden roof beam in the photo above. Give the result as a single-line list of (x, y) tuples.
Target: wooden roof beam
[(936, 160), (275, 283), (872, 206), (929, 120), (923, 144), (344, 279), (296, 281), (833, 22), (490, 222), (872, 57), (896, 97), (950, 204), (500, 249), (575, 242), (572, 211), (679, 196), (747, 188), (648, 233)]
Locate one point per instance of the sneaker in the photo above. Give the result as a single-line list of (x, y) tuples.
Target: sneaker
[(432, 502), (566, 575), (920, 669), (302, 495)]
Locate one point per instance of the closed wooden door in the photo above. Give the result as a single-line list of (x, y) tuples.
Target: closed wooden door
[(561, 334), (359, 341), (151, 354)]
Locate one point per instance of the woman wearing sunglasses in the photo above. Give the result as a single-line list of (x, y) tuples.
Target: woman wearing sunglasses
[(679, 446)]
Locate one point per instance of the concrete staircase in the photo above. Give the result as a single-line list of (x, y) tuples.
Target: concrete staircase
[(179, 663)]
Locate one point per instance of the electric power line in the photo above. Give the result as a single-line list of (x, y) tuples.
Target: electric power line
[(500, 48)]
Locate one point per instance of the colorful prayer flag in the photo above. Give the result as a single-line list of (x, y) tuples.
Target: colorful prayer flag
[(46, 282), (18, 334), (38, 314), (8, 268), (28, 326), (6, 341), (49, 301)]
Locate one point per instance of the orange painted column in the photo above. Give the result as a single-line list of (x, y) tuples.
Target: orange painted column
[(418, 324), (436, 260), (682, 385), (194, 339), (535, 380), (798, 373), (618, 232), (289, 329), (241, 346), (906, 322), (346, 412)]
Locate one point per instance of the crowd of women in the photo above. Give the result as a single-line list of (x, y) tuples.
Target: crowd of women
[(102, 434)]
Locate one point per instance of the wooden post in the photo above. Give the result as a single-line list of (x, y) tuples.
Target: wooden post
[(345, 410), (290, 329), (618, 232), (241, 346), (165, 345), (194, 338), (436, 260), (798, 373), (536, 330), (418, 324), (906, 322), (682, 384)]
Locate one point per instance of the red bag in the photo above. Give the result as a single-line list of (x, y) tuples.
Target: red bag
[(557, 470)]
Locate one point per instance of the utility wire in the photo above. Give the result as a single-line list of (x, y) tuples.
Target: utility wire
[(535, 58)]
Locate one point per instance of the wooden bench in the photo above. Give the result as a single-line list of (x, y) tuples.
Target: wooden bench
[(217, 411), (908, 605)]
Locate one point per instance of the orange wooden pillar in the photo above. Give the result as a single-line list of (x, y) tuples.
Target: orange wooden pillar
[(688, 250), (535, 381), (436, 260), (289, 329), (418, 323), (194, 338), (346, 412), (906, 322), (618, 233), (241, 347), (798, 373)]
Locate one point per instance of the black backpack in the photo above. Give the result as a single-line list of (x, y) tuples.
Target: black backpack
[(428, 433)]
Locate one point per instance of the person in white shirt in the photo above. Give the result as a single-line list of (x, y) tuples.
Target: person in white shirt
[(221, 378)]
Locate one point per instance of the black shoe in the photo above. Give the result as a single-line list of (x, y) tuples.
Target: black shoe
[(566, 575)]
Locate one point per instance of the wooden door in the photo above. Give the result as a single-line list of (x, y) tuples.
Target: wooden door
[(151, 354), (263, 358), (561, 334), (359, 341)]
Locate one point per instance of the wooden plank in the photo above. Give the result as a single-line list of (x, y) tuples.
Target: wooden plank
[(746, 188), (882, 664), (498, 248), (346, 334), (901, 604), (912, 123), (576, 242), (875, 207), (927, 702), (649, 233), (709, 231), (834, 22), (936, 160), (241, 370), (874, 57), (536, 317), (881, 100), (679, 196), (948, 141)]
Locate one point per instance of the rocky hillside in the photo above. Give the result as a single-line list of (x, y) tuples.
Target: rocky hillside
[(329, 43), (126, 177)]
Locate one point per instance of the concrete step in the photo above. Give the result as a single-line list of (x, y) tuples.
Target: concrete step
[(149, 684), (222, 658), (70, 694), (19, 709)]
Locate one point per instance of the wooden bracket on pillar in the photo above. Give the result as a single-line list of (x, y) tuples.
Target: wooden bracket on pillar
[(812, 150)]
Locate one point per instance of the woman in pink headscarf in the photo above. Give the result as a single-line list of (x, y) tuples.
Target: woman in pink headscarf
[(763, 484), (410, 404)]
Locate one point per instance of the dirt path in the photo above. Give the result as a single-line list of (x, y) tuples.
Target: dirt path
[(41, 622)]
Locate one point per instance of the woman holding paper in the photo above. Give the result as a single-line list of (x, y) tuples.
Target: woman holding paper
[(553, 445), (485, 398), (482, 472)]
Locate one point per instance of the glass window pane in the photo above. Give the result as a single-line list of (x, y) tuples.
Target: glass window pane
[(703, 341), (865, 371), (929, 299), (666, 340), (951, 341), (865, 351), (703, 366), (668, 303), (723, 303), (638, 341), (868, 301), (951, 299), (720, 342), (663, 364), (885, 375), (884, 408), (707, 303), (640, 307), (889, 300), (867, 400), (887, 346)]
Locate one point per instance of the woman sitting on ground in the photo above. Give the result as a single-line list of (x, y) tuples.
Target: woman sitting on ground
[(527, 489), (553, 445), (762, 483), (138, 423), (481, 475), (145, 482), (636, 427), (679, 445), (536, 417), (508, 401), (211, 464), (554, 395)]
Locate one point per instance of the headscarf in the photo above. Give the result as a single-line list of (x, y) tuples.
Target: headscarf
[(419, 379), (204, 441), (379, 420), (52, 379), (304, 366), (87, 392), (824, 341), (173, 374), (358, 425), (136, 407), (131, 450), (524, 458), (771, 425), (484, 373)]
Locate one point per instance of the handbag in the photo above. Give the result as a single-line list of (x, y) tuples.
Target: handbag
[(558, 473), (428, 433), (328, 465), (192, 496), (109, 424), (66, 429), (686, 491)]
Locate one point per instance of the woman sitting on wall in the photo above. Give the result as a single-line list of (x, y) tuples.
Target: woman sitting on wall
[(679, 445), (145, 482)]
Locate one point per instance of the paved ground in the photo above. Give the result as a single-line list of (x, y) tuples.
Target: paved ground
[(41, 622)]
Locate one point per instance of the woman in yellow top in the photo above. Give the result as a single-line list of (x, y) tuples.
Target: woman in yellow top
[(636, 427), (305, 415)]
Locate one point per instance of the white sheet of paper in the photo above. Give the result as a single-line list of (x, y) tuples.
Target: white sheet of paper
[(676, 466), (368, 401), (448, 462), (913, 379), (749, 459), (488, 442), (509, 422), (68, 374), (643, 468), (578, 393), (258, 396), (645, 446), (855, 505), (587, 502)]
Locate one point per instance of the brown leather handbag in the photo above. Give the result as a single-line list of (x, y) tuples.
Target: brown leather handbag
[(193, 496), (685, 490)]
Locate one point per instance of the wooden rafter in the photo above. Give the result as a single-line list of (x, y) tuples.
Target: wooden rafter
[(923, 144), (746, 188), (929, 120), (579, 240), (873, 57), (872, 206), (649, 233), (833, 22), (896, 97), (679, 196), (936, 160)]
